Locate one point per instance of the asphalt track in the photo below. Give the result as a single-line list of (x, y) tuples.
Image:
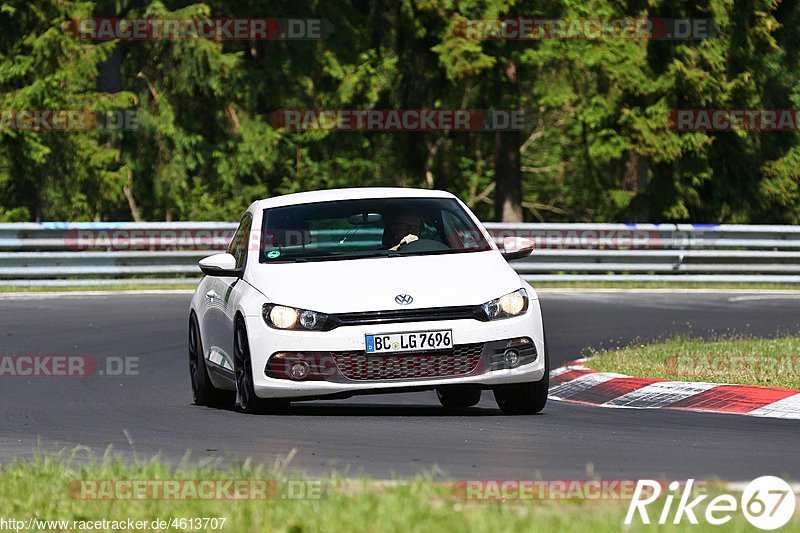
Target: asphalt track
[(395, 435)]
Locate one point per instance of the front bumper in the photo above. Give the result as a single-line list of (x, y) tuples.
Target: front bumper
[(265, 341)]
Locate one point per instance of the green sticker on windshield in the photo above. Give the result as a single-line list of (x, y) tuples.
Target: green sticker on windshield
[(273, 254)]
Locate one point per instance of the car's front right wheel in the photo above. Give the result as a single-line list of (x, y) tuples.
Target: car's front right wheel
[(525, 398), (203, 390), (245, 391)]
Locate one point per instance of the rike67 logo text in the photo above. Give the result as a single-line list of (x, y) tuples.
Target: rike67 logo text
[(767, 503)]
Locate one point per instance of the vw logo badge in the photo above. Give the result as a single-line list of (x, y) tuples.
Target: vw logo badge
[(403, 299)]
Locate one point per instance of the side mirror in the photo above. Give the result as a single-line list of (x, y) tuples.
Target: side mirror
[(517, 248), (220, 266)]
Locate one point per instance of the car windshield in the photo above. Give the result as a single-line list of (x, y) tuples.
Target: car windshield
[(354, 229)]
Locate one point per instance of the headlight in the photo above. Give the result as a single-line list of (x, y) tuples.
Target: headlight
[(512, 304), (284, 317)]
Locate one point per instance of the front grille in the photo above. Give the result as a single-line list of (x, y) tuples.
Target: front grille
[(404, 315), (459, 361)]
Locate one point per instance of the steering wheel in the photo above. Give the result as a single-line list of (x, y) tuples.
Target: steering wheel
[(423, 245)]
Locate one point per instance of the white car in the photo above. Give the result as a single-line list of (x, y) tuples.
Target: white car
[(330, 294)]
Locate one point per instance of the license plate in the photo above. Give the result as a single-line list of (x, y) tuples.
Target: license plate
[(410, 342)]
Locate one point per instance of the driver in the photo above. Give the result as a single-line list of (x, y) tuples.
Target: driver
[(405, 229)]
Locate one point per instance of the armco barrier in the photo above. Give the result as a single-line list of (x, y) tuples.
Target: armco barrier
[(115, 253)]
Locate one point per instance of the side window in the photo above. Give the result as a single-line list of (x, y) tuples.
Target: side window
[(238, 246)]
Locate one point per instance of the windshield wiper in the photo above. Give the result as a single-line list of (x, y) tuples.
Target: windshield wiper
[(338, 256), (345, 255)]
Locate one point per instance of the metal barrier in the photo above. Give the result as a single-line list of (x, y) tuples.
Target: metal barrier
[(164, 253)]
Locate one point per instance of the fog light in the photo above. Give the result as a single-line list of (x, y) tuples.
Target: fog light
[(511, 358), (298, 370)]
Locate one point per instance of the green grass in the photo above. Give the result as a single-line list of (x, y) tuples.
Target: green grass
[(752, 361), (661, 285), (124, 287), (41, 488)]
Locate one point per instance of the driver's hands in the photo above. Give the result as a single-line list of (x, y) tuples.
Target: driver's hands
[(408, 239)]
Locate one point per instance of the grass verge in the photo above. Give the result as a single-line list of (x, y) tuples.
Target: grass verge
[(45, 488), (106, 288), (661, 285), (771, 362)]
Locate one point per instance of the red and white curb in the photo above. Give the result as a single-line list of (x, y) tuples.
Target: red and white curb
[(577, 383)]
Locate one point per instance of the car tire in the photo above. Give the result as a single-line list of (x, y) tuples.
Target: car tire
[(459, 398), (526, 398), (203, 391), (245, 392)]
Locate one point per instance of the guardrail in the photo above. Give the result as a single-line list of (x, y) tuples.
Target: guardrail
[(114, 253)]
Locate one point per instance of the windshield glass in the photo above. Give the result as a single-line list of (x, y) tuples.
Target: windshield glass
[(352, 229)]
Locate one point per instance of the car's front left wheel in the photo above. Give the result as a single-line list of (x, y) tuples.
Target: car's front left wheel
[(203, 390), (245, 391)]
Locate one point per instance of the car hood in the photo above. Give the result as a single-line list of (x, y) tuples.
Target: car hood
[(354, 285)]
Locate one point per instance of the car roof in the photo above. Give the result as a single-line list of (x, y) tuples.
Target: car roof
[(332, 195)]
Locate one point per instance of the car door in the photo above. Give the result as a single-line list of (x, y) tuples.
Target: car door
[(221, 299)]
